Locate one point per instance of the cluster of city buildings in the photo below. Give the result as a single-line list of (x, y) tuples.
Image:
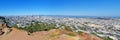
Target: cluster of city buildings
[(102, 27)]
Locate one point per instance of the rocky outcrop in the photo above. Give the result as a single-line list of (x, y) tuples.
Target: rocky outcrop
[(4, 29)]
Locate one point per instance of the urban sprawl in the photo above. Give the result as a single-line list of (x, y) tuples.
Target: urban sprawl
[(100, 26)]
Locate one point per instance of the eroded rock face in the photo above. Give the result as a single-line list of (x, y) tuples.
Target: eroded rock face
[(3, 26)]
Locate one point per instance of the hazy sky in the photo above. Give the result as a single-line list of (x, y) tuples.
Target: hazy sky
[(60, 7)]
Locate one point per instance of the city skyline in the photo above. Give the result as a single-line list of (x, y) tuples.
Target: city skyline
[(60, 7)]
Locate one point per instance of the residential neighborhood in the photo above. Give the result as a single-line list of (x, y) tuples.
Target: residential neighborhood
[(102, 27)]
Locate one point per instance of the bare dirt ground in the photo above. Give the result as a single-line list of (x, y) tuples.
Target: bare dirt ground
[(54, 34)]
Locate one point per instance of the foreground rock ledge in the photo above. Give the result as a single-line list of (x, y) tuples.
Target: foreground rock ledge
[(4, 28)]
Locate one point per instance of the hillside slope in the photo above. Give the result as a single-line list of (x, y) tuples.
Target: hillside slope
[(54, 34)]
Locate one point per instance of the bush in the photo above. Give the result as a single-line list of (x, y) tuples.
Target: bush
[(15, 26), (100, 32), (79, 32), (67, 28), (70, 34), (107, 38), (93, 33)]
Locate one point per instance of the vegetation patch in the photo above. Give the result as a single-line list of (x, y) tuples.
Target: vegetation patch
[(67, 28), (37, 26), (79, 32), (93, 33), (71, 34), (107, 38), (40, 26), (100, 32)]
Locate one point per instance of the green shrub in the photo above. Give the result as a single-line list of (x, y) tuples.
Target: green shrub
[(70, 34), (93, 33), (79, 32), (15, 26), (107, 38), (100, 32), (67, 28)]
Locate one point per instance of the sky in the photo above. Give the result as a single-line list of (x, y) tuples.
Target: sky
[(60, 7)]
